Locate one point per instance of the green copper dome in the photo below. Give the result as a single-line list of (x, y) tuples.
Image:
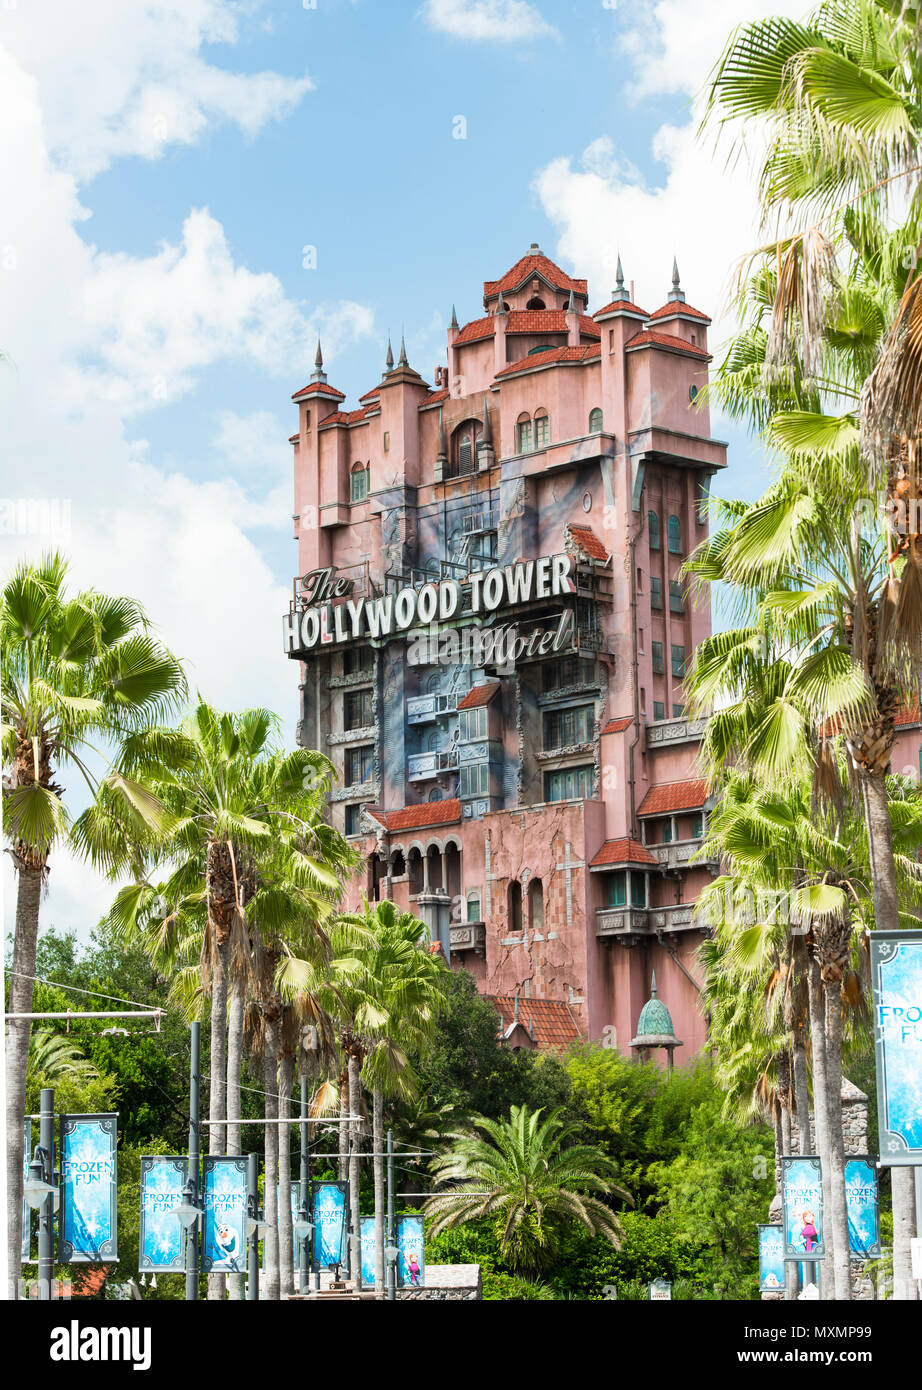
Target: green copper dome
[(654, 1027)]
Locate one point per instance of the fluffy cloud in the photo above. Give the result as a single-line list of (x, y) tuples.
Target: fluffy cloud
[(91, 339), (703, 210), (136, 75), (501, 21)]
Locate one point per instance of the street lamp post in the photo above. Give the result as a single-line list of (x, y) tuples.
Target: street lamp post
[(305, 1175), (192, 1172), (46, 1210), (255, 1227), (390, 1248)]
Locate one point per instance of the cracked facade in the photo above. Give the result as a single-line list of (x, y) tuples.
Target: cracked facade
[(540, 814)]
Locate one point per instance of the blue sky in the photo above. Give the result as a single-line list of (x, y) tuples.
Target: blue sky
[(166, 162)]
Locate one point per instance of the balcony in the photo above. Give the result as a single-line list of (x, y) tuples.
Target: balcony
[(421, 766), (631, 924), (421, 709), (669, 732), (468, 936)]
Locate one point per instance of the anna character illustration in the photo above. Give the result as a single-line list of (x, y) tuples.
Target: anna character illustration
[(413, 1268), (809, 1233)]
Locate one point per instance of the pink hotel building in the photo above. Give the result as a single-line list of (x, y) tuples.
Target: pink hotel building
[(540, 809)]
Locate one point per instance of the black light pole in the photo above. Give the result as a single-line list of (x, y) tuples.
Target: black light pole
[(46, 1210), (391, 1266), (192, 1171), (253, 1228), (304, 1251)]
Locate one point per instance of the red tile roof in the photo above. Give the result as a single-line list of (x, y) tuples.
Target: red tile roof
[(617, 726), (371, 395), (668, 310), (549, 1022), (649, 338), (346, 417), (416, 817), (908, 715), (533, 265), (624, 305), (674, 796), (477, 329), (547, 321), (622, 852), (434, 397), (316, 387), (478, 695), (293, 438), (587, 540), (553, 356)]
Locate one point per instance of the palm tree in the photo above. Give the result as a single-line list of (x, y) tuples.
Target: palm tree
[(525, 1175), (840, 100), (74, 669)]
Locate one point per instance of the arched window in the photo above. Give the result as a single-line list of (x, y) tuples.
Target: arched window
[(359, 489), (536, 303), (433, 684), (463, 457), (536, 904), (514, 903), (674, 534), (435, 794), (432, 742), (595, 421), (524, 434), (653, 530), (542, 429)]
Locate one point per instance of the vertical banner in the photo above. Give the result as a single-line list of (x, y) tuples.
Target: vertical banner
[(411, 1257), (863, 1207), (771, 1259), (328, 1213), (224, 1198), (369, 1250), (896, 981), (802, 1209), (163, 1236), (294, 1200), (87, 1230)]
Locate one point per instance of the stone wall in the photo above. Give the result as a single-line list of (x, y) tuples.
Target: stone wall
[(447, 1283)]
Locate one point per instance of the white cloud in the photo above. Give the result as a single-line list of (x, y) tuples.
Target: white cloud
[(88, 334), (703, 210), (121, 77), (501, 21)]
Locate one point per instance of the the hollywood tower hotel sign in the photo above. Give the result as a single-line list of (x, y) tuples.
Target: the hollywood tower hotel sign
[(493, 632)]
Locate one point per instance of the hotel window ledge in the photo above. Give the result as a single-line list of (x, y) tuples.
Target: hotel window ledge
[(354, 678), (363, 735), (671, 731), (468, 936), (424, 765), (563, 755), (679, 854), (358, 791), (422, 708), (645, 921)]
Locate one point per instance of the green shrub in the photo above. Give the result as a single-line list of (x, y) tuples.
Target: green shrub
[(510, 1288)]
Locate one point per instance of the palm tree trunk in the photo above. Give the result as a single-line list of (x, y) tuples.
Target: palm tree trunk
[(820, 1102), (344, 1127), (217, 1084), (355, 1129), (235, 1282), (378, 1165), (887, 918), (802, 1096), (286, 1236), (837, 1220), (271, 1179), (25, 945)]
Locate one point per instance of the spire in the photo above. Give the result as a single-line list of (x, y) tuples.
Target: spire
[(619, 292), (653, 987), (318, 374), (402, 361), (454, 319), (571, 307), (675, 294), (516, 1012), (486, 436), (501, 306), (389, 359)]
